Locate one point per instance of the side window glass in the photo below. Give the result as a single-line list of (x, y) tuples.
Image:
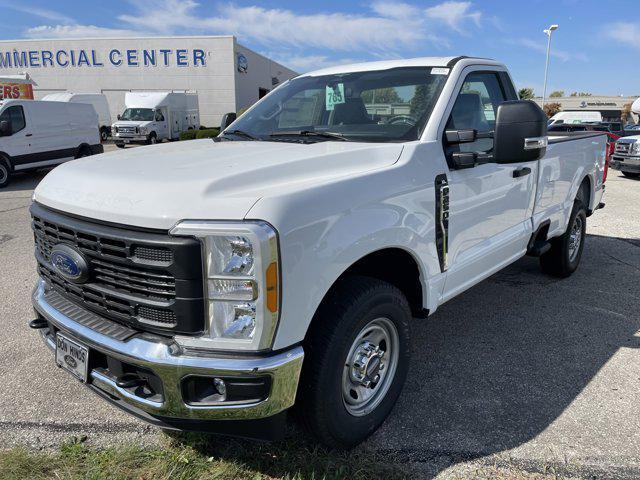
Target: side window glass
[(159, 116), (476, 107), (15, 117)]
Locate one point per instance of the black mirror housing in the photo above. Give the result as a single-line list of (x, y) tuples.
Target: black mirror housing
[(520, 132), (227, 119), (119, 117), (460, 136), (5, 128)]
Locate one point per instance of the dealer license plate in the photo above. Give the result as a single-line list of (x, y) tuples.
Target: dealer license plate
[(72, 356)]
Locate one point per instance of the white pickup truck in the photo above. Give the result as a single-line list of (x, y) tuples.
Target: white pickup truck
[(213, 285)]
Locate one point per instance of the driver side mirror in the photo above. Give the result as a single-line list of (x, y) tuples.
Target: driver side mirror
[(520, 135), (5, 128), (227, 119), (521, 132), (119, 117)]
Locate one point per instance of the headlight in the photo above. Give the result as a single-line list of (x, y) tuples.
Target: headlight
[(241, 284), (635, 147), (143, 130)]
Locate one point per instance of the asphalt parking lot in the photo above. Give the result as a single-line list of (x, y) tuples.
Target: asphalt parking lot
[(523, 371)]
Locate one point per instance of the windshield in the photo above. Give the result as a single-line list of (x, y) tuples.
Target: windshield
[(138, 114), (380, 106)]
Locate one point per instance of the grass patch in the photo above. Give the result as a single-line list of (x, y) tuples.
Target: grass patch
[(192, 456)]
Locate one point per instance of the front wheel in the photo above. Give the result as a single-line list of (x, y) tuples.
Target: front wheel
[(357, 357), (5, 173), (566, 251), (153, 139)]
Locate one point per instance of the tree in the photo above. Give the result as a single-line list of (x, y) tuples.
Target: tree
[(526, 94), (557, 94), (381, 95), (552, 108), (625, 114)]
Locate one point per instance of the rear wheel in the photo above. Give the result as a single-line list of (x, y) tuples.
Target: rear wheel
[(104, 134), (357, 357), (83, 151), (631, 174), (566, 251), (120, 145), (5, 173)]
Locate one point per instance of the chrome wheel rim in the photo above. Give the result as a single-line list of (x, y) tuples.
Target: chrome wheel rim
[(575, 239), (3, 173), (370, 367)]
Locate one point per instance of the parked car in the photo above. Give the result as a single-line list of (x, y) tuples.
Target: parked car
[(626, 157), (36, 134), (151, 117), (97, 100), (213, 284)]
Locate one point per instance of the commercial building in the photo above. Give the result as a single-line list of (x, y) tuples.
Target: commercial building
[(610, 107), (226, 76)]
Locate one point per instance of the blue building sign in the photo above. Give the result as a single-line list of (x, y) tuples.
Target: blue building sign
[(115, 57)]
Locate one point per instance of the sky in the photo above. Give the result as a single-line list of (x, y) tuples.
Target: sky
[(596, 48)]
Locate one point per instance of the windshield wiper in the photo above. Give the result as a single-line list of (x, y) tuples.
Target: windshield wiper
[(240, 133), (310, 133)]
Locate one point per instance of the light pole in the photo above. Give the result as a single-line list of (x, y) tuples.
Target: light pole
[(548, 33)]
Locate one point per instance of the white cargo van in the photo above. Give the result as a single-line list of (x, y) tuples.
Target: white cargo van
[(99, 102), (36, 134), (151, 117), (575, 117)]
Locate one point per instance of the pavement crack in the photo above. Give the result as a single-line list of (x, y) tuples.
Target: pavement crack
[(14, 209), (622, 261)]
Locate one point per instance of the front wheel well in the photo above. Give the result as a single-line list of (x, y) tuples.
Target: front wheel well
[(395, 266)]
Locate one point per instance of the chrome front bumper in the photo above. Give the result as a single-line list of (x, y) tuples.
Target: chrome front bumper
[(166, 360)]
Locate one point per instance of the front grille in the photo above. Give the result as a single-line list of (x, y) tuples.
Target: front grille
[(147, 280), (623, 147), (130, 130)]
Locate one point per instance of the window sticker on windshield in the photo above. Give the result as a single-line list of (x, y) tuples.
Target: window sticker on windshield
[(335, 95), (439, 71)]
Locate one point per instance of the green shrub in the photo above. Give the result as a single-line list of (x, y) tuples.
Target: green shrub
[(188, 135), (208, 133)]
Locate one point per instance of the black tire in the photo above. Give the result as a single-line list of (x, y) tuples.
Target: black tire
[(563, 259), (631, 174), (5, 172), (153, 139), (104, 134), (353, 304), (120, 145), (83, 151)]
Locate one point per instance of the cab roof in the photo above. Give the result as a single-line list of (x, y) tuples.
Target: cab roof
[(449, 62)]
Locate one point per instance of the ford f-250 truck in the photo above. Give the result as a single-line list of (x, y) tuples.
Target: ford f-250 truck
[(626, 156), (213, 285)]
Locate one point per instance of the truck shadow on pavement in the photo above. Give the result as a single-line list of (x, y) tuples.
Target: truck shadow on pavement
[(495, 367)]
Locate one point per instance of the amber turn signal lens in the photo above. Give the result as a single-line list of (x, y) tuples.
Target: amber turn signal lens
[(272, 287)]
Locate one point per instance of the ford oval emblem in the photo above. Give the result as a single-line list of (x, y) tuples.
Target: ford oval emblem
[(69, 360), (69, 263)]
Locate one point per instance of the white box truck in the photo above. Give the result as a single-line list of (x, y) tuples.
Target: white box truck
[(99, 102), (36, 134), (151, 117)]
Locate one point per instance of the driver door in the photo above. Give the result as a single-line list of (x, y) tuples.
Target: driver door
[(490, 204)]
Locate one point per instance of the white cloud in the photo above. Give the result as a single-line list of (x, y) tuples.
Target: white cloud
[(389, 27), (541, 47), (38, 12), (624, 32), (76, 31), (454, 14)]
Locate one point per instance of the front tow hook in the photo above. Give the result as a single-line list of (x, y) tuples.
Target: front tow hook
[(38, 323)]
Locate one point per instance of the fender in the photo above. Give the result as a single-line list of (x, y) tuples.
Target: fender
[(4, 156), (324, 229)]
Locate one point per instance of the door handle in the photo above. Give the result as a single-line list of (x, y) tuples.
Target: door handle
[(521, 172), (29, 135)]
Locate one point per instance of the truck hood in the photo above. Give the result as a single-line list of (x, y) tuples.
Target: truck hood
[(132, 123), (629, 139), (159, 185)]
